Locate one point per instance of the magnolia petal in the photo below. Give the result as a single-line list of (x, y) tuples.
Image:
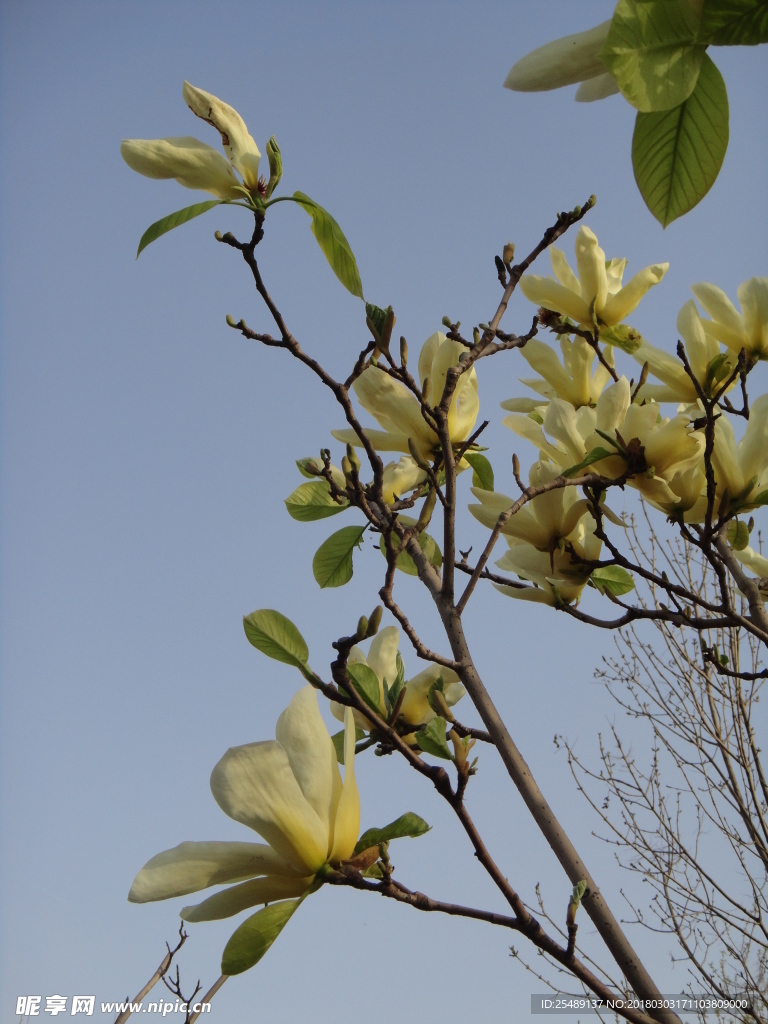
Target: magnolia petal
[(612, 406), (392, 405), (347, 825), (564, 61), (190, 867), (720, 308), (754, 561), (382, 654), (543, 360), (191, 162), (242, 151), (254, 784), (401, 477), (753, 447), (427, 355), (381, 440), (590, 266), (531, 593), (241, 897), (547, 292), (596, 88), (523, 404), (562, 270), (415, 707), (753, 296), (620, 305), (302, 734)]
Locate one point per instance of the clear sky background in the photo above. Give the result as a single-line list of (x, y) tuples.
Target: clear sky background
[(147, 450)]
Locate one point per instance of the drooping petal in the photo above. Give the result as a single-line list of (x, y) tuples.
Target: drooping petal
[(190, 867), (347, 826), (382, 440), (242, 151), (302, 734), (620, 305), (254, 784), (241, 897), (564, 61), (191, 162)]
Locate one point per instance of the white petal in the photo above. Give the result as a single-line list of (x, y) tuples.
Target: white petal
[(242, 897), (254, 784), (562, 62), (191, 162), (596, 88), (382, 654), (242, 151), (190, 867)]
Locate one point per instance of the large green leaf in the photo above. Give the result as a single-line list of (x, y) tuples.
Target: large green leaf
[(408, 824), (277, 637), (174, 220), (334, 244), (312, 501), (482, 471), (734, 22), (594, 456), (366, 682), (612, 579), (332, 564), (677, 154), (653, 53), (248, 944)]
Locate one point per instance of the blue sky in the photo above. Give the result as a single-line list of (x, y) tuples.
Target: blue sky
[(147, 450)]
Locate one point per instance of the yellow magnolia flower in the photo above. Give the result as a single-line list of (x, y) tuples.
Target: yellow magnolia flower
[(746, 330), (382, 659), (193, 163), (741, 469), (573, 380), (289, 790), (398, 412), (545, 520), (700, 347), (598, 282), (557, 575), (564, 61)]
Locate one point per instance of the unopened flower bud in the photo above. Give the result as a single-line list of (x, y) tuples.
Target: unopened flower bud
[(275, 166), (354, 461), (403, 351), (508, 253), (446, 322), (218, 236), (362, 628), (375, 620), (231, 320), (346, 468)]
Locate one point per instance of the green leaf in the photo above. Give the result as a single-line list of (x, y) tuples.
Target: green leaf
[(612, 579), (760, 499), (332, 564), (248, 944), (677, 154), (377, 316), (653, 53), (594, 456), (174, 220), (734, 23), (737, 534), (277, 637), (407, 825), (432, 740), (482, 471), (338, 742), (622, 336), (313, 501), (332, 241), (366, 682), (428, 545)]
